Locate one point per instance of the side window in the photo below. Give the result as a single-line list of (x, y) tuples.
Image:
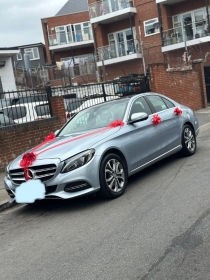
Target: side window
[(157, 103), (140, 106), (42, 110), (168, 103), (15, 113)]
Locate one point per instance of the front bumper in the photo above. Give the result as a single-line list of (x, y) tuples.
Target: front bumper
[(79, 182)]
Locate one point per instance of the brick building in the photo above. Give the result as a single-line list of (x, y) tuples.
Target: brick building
[(127, 36)]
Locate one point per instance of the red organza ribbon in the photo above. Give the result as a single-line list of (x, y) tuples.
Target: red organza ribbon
[(156, 119), (177, 111), (116, 123), (29, 158)]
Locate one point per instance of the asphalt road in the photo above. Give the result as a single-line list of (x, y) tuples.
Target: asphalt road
[(159, 229)]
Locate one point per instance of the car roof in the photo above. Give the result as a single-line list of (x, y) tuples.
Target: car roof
[(31, 104)]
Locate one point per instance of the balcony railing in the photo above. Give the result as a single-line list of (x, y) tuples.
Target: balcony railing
[(108, 6), (118, 50), (62, 37), (193, 31)]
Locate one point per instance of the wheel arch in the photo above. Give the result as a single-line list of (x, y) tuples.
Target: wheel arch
[(190, 124), (117, 152)]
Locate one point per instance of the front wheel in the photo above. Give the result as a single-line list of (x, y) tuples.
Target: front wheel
[(113, 177), (188, 141)]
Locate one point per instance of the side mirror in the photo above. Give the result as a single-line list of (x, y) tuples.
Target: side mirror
[(56, 132), (137, 117)]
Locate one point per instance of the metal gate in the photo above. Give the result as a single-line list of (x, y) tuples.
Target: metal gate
[(207, 81)]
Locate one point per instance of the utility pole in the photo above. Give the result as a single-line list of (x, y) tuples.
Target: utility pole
[(208, 20)]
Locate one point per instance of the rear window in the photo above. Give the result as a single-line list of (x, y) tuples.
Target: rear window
[(4, 103), (29, 99), (42, 110), (168, 103), (15, 113), (4, 119), (71, 105)]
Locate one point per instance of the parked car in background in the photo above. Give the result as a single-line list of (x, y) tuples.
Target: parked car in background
[(5, 103), (95, 153), (21, 113), (4, 120)]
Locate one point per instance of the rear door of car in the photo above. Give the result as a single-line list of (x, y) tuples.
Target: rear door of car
[(171, 137), (145, 136)]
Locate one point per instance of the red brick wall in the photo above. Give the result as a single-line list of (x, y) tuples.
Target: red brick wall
[(186, 87), (15, 140)]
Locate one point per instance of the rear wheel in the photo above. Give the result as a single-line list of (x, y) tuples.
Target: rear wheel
[(113, 176), (188, 141)]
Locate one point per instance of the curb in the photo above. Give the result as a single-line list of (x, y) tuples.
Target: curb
[(6, 205)]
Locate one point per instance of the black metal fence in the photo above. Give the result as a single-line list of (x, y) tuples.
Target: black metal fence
[(30, 105)]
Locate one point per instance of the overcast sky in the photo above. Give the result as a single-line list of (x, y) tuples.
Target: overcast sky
[(20, 22)]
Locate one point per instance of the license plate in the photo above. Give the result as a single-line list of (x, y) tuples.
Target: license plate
[(29, 191)]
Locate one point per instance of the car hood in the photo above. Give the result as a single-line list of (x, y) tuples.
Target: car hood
[(58, 148)]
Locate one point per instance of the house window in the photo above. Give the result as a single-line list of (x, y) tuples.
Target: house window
[(33, 53), (19, 56), (193, 22), (151, 27)]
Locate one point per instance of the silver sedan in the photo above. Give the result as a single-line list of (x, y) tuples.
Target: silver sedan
[(100, 147)]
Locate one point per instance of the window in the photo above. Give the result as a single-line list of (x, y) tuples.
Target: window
[(19, 56), (140, 106), (42, 110), (33, 53), (4, 119), (151, 27), (157, 103), (29, 99), (168, 103), (15, 113)]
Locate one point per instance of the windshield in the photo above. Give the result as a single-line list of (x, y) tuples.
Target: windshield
[(96, 117), (71, 105)]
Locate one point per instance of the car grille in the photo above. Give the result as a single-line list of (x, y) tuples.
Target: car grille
[(42, 172)]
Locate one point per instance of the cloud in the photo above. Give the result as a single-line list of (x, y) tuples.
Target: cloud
[(20, 22)]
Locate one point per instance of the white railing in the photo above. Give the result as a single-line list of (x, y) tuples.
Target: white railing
[(63, 37), (108, 6), (118, 50)]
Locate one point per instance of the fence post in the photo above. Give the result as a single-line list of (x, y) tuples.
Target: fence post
[(49, 95), (104, 93)]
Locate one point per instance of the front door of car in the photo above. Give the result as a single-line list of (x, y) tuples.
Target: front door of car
[(171, 138), (145, 136)]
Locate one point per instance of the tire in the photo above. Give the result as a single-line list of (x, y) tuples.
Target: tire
[(113, 181), (189, 144)]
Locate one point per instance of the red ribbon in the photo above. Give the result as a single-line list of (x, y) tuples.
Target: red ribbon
[(29, 158), (156, 119), (177, 111)]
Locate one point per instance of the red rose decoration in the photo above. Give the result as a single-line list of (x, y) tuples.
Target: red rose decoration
[(156, 119), (50, 137), (27, 160), (177, 111), (116, 123)]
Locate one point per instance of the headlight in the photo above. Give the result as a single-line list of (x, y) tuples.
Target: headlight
[(78, 160), (7, 173)]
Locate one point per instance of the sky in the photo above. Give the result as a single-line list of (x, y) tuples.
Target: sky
[(20, 20)]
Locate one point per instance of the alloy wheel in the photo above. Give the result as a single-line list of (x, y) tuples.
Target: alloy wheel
[(189, 139), (114, 175)]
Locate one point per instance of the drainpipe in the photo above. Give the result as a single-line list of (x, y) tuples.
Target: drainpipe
[(46, 31), (134, 48), (207, 12), (160, 22)]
